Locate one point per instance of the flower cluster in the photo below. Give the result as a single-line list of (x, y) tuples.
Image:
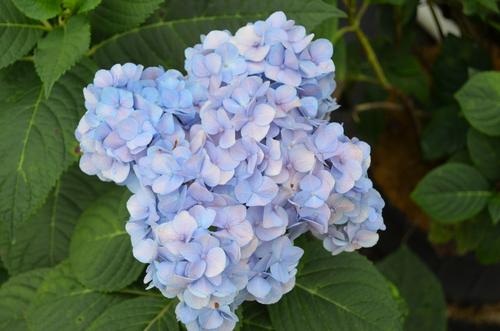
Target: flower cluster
[(229, 164)]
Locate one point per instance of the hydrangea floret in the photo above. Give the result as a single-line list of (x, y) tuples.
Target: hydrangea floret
[(229, 164)]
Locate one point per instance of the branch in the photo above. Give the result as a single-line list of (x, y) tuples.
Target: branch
[(378, 105), (486, 314), (341, 32), (47, 25), (372, 59)]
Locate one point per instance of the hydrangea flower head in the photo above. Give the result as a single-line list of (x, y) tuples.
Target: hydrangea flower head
[(229, 165)]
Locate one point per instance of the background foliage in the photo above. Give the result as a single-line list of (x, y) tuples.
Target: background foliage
[(66, 261)]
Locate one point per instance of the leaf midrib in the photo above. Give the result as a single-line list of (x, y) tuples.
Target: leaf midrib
[(20, 164), (460, 194), (31, 122), (53, 222), (159, 315), (23, 26)]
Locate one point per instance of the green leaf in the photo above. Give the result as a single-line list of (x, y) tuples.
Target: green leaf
[(452, 193), (344, 292), (485, 153), (404, 71), (451, 69), (163, 43), (488, 250), (481, 235), (43, 132), (470, 233), (480, 7), (43, 240), (138, 314), (81, 6), (328, 27), (479, 99), (114, 16), (255, 317), (419, 287), (389, 2), (60, 50), (440, 233), (39, 9), (100, 250), (461, 156), (19, 34), (494, 208), (16, 296), (62, 303), (444, 134), (490, 4)]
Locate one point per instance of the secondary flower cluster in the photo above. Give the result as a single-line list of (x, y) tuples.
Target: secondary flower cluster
[(229, 164)]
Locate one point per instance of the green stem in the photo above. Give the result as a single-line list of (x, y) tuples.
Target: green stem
[(341, 32), (27, 58), (362, 11), (354, 21), (354, 18), (24, 26), (140, 293), (362, 78), (372, 59), (47, 25)]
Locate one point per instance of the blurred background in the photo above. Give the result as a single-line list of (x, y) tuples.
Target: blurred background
[(407, 110)]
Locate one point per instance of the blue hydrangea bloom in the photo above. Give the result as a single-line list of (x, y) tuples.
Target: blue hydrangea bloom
[(229, 165)]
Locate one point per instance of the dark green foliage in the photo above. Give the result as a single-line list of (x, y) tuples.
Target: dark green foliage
[(427, 308)]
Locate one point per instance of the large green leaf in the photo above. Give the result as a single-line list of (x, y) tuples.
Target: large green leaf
[(479, 99), (114, 16), (62, 303), (43, 240), (494, 208), (163, 43), (452, 193), (19, 34), (36, 136), (419, 287), (255, 317), (470, 233), (61, 49), (39, 9), (343, 292), (16, 296), (100, 250), (485, 153), (81, 6), (138, 314)]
